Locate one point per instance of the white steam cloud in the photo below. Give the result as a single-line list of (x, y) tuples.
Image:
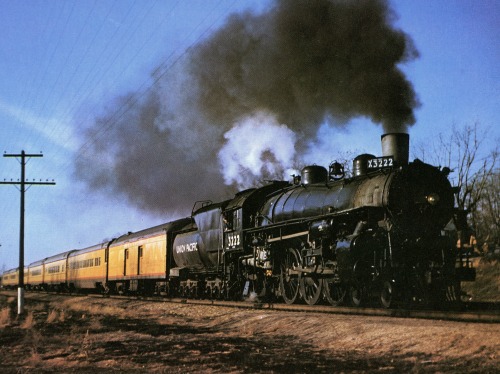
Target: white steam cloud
[(257, 146)]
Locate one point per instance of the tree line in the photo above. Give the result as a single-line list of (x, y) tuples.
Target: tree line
[(473, 167)]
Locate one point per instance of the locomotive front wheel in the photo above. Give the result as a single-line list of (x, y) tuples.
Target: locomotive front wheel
[(333, 292), (289, 280), (193, 292), (216, 293), (454, 293), (386, 294), (311, 288), (358, 294), (448, 296)]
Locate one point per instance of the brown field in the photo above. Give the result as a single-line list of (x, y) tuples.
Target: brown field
[(83, 334), (487, 284)]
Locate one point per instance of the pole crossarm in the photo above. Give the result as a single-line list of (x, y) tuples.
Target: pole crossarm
[(23, 182), (23, 154), (31, 183)]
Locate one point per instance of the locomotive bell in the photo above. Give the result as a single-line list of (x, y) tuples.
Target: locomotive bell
[(336, 171), (396, 145)]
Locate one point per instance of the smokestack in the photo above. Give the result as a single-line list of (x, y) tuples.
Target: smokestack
[(396, 145)]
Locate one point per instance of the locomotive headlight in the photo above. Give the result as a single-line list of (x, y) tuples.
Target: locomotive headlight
[(433, 198)]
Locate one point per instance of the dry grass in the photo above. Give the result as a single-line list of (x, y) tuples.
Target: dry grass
[(56, 316), (4, 317), (52, 317), (95, 323), (487, 284), (62, 316), (33, 343), (86, 347), (29, 321), (87, 307)]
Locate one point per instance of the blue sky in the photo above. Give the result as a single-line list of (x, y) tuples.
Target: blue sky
[(63, 63)]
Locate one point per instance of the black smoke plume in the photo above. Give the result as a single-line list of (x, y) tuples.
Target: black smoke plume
[(307, 61), (302, 63)]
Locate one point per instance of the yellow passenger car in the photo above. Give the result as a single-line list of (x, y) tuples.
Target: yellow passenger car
[(137, 262), (10, 279), (86, 268), (55, 271), (35, 273)]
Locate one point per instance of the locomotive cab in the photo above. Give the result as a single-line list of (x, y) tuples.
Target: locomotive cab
[(241, 212), (233, 221)]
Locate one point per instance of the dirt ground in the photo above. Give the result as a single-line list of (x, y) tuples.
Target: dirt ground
[(83, 334)]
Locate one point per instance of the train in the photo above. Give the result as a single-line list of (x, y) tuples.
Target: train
[(376, 236)]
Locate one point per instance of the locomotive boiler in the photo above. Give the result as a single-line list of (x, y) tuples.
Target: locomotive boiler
[(374, 236)]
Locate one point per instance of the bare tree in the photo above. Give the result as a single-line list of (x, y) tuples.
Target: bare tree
[(486, 218), (471, 168)]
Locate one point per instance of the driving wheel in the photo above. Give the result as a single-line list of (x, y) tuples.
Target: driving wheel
[(333, 291), (311, 288), (289, 278)]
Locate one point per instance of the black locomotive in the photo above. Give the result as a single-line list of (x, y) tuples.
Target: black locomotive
[(374, 236)]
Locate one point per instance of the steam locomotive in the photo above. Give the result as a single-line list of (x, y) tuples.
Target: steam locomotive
[(374, 237)]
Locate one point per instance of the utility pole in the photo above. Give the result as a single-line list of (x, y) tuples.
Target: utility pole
[(23, 183)]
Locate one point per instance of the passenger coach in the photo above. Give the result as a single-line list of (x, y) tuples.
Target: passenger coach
[(35, 279), (86, 268), (138, 262)]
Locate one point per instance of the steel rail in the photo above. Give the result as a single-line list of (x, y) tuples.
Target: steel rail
[(489, 312)]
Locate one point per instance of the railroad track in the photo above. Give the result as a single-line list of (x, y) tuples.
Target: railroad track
[(479, 312), (491, 315)]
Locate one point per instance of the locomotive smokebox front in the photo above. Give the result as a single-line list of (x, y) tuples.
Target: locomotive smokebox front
[(396, 145)]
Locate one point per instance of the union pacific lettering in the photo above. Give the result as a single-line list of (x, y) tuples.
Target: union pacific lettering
[(190, 247)]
